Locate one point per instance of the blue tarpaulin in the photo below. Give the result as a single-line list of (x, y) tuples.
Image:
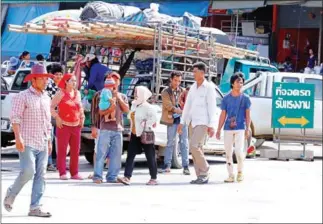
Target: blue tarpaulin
[(13, 44), (178, 8)]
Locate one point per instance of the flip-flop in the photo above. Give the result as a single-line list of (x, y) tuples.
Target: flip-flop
[(39, 213), (152, 182), (124, 180), (97, 181), (8, 201)]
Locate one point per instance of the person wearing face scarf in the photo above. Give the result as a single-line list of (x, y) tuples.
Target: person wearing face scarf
[(143, 117)]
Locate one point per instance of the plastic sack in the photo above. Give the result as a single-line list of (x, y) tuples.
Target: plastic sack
[(86, 104)]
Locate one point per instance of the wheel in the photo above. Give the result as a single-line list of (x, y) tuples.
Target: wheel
[(89, 157), (259, 142), (177, 158)]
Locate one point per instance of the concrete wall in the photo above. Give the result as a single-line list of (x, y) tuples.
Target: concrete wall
[(294, 16)]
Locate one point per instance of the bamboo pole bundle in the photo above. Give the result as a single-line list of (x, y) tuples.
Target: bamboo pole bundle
[(130, 33)]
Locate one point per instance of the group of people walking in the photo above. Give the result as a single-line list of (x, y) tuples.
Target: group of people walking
[(190, 114)]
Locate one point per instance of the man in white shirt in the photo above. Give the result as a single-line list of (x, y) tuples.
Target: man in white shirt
[(199, 111)]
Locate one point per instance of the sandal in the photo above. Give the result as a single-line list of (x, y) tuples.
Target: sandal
[(8, 201), (63, 177), (98, 181), (152, 182), (39, 213), (90, 176), (124, 180), (77, 177)]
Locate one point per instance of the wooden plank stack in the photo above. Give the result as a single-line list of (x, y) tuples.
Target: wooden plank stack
[(127, 36)]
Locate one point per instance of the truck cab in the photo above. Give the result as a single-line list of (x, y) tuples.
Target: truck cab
[(247, 67)]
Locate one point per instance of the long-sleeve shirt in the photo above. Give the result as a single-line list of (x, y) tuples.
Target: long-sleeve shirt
[(97, 77), (95, 116), (31, 110), (200, 106), (55, 106)]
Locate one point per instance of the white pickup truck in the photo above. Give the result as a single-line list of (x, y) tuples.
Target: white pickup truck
[(8, 90), (260, 90)]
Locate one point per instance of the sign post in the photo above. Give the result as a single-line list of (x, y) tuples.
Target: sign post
[(293, 107)]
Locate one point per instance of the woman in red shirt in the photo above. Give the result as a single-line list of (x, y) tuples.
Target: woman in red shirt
[(67, 109)]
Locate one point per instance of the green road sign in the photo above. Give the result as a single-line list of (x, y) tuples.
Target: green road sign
[(293, 105)]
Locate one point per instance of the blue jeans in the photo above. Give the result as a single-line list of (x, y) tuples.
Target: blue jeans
[(171, 144), (33, 164), (110, 142)]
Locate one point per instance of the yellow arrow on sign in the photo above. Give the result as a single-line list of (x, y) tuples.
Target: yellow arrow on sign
[(302, 121)]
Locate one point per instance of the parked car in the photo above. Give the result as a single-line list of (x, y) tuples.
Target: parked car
[(260, 90)]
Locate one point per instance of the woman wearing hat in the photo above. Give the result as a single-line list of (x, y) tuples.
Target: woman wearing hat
[(69, 122)]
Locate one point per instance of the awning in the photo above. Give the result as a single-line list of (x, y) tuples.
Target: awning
[(218, 4), (4, 9), (15, 43)]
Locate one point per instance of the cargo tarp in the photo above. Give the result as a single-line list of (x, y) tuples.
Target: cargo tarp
[(13, 44)]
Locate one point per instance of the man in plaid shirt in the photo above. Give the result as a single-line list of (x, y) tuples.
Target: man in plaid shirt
[(31, 123)]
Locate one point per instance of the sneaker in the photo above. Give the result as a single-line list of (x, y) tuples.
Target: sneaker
[(240, 177), (202, 180), (164, 170), (193, 181), (186, 171), (230, 179), (51, 168)]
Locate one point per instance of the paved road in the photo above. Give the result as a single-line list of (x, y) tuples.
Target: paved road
[(273, 191)]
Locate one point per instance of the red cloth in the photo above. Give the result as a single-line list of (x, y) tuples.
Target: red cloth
[(68, 136), (69, 108), (78, 69)]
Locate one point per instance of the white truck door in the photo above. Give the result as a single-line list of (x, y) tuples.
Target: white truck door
[(316, 132)]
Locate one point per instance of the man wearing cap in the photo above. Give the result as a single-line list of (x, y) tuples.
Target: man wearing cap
[(110, 137), (31, 123), (97, 72)]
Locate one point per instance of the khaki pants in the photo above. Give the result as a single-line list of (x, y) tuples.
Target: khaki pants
[(197, 138)]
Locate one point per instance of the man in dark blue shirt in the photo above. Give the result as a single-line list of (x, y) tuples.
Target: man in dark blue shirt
[(98, 73)]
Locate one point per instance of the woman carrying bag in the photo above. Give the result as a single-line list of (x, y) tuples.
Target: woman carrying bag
[(143, 119)]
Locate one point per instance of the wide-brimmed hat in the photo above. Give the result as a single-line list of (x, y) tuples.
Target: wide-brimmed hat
[(88, 57), (13, 61), (62, 83), (37, 71)]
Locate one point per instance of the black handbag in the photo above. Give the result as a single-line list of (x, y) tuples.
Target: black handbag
[(147, 137)]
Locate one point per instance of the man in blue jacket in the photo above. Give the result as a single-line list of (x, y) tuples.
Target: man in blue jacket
[(98, 73)]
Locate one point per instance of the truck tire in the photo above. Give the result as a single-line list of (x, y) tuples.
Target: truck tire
[(89, 157), (177, 158)]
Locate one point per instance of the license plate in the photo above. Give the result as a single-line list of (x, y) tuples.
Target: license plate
[(4, 125)]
